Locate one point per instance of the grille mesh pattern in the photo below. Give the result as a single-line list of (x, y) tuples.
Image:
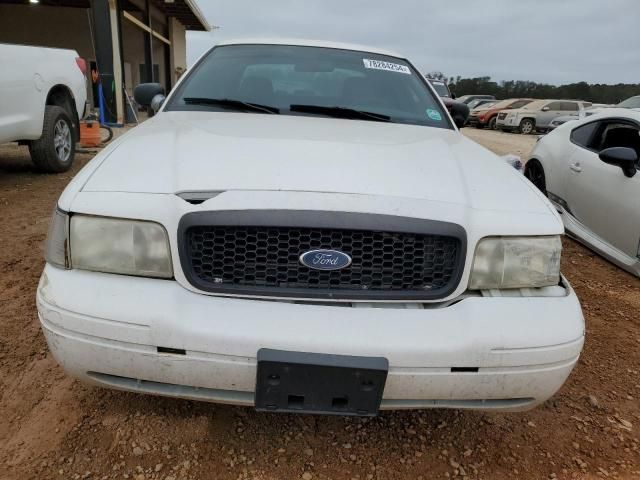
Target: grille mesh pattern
[(268, 258)]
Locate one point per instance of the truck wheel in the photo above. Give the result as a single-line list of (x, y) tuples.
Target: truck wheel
[(54, 151), (526, 126), (492, 123)]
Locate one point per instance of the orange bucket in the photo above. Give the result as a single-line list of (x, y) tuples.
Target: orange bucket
[(90, 133)]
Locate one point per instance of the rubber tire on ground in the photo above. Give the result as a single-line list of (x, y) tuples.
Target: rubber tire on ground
[(526, 121), (535, 174), (492, 123), (43, 152)]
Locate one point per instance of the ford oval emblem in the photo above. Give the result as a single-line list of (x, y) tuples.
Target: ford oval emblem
[(325, 259)]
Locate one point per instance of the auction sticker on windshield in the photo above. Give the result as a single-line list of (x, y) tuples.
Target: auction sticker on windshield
[(381, 65), (434, 114)]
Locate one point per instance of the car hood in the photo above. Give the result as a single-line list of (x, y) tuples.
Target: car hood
[(178, 152)]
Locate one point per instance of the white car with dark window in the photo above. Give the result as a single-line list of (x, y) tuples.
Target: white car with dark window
[(589, 170), (302, 228)]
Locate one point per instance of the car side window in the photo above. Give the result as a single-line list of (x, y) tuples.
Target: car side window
[(597, 136), (569, 106), (554, 106), (617, 134), (583, 135)]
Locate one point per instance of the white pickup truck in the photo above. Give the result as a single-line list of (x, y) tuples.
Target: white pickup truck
[(42, 98)]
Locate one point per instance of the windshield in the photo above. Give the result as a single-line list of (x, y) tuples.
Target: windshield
[(310, 81), (440, 88), (633, 102)]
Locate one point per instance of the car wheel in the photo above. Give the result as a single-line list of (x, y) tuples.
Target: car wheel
[(54, 151), (535, 173), (492, 123), (526, 126)]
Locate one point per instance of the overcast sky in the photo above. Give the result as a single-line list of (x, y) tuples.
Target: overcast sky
[(553, 41)]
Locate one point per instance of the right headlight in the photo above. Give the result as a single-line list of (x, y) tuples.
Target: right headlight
[(115, 245), (516, 262), (110, 245)]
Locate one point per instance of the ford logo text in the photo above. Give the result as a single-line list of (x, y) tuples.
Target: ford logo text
[(325, 259)]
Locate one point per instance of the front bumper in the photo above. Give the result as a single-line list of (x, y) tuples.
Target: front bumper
[(475, 121), (508, 123), (108, 329)]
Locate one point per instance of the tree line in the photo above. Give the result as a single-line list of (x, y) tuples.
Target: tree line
[(596, 93)]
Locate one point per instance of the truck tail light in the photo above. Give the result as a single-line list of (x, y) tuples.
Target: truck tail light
[(82, 65)]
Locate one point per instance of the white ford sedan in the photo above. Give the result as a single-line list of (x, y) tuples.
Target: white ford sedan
[(302, 228), (589, 170)]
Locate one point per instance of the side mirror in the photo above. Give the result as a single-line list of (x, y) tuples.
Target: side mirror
[(453, 96), (460, 113), (623, 157), (145, 93), (156, 102), (545, 109)]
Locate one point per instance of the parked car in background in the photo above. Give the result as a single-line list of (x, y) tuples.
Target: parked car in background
[(594, 109), (354, 251), (589, 170), (632, 102), (479, 102), (487, 115), (42, 98), (441, 87), (466, 99), (561, 120), (537, 115)]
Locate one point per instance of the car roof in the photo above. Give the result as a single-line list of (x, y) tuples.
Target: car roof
[(630, 113), (311, 43)]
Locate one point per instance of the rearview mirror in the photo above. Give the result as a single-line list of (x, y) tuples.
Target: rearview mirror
[(145, 92), (623, 157)]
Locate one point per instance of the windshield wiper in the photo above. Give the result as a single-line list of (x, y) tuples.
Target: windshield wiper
[(230, 104), (340, 112)]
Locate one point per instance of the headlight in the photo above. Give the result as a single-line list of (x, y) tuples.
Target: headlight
[(516, 262), (57, 246), (112, 245)]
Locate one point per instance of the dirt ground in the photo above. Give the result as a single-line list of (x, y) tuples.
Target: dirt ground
[(52, 427)]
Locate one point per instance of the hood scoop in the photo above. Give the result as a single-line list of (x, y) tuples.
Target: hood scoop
[(196, 198)]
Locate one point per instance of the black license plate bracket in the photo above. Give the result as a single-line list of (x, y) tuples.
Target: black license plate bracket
[(319, 383)]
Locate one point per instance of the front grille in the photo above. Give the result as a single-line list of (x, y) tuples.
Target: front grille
[(266, 260), (502, 116)]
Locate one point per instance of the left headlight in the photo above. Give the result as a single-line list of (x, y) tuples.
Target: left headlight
[(112, 245), (516, 262)]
